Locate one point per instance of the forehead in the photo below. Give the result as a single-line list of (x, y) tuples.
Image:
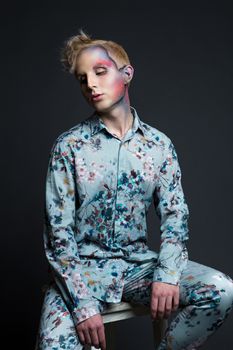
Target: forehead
[(91, 57)]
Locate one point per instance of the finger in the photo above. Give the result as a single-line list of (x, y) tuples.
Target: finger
[(94, 338), (168, 307), (161, 307), (87, 337), (175, 304), (154, 306), (102, 340), (81, 337)]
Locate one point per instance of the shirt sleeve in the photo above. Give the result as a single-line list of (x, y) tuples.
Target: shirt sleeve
[(173, 212), (59, 233)]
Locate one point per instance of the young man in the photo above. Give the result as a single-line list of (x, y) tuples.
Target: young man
[(103, 175)]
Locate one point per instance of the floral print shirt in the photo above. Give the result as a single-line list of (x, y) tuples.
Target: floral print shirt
[(98, 192)]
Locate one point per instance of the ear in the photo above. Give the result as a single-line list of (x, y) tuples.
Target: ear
[(128, 73)]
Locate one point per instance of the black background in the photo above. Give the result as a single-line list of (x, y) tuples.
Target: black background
[(183, 85)]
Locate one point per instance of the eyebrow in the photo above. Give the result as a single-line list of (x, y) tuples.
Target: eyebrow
[(102, 64)]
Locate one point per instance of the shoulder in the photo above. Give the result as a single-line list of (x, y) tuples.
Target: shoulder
[(157, 136), (162, 142), (78, 133)]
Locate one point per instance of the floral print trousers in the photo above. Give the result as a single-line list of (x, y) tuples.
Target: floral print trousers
[(206, 299)]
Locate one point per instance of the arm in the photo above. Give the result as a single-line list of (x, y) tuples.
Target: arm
[(59, 227), (173, 213)]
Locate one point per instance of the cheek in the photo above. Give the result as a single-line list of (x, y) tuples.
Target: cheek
[(116, 87)]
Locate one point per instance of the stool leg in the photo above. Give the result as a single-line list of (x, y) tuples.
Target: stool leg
[(159, 327), (110, 335)]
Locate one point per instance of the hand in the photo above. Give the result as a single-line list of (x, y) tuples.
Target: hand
[(91, 332), (164, 299)]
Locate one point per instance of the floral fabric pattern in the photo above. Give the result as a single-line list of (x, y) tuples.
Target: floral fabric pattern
[(205, 302), (98, 192)]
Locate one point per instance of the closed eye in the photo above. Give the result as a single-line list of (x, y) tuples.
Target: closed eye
[(84, 80)]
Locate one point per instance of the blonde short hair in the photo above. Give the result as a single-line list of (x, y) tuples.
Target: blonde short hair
[(75, 44)]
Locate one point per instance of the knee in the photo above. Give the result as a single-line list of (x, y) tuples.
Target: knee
[(224, 288)]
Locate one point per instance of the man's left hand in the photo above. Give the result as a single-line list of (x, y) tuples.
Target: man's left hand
[(164, 299)]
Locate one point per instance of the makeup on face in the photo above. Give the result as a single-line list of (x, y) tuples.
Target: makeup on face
[(99, 77), (98, 59), (101, 63)]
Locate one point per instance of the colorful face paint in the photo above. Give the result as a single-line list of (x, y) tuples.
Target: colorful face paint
[(98, 75)]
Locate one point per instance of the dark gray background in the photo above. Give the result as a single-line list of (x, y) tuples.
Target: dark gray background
[(183, 86)]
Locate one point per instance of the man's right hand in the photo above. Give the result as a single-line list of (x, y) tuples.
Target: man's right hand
[(91, 332)]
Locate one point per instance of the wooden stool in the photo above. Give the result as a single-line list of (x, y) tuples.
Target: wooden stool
[(123, 311)]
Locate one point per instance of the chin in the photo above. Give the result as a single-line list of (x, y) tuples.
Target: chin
[(102, 108), (106, 107)]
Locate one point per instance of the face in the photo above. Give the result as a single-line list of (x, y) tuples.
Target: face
[(98, 74)]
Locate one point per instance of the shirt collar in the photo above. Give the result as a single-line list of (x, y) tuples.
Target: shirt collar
[(96, 124)]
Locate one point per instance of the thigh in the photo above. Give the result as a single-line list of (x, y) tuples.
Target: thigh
[(137, 282), (200, 282), (197, 282)]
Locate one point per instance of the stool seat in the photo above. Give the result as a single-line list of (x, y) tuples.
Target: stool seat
[(123, 311)]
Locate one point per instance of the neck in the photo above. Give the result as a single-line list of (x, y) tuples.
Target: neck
[(119, 120)]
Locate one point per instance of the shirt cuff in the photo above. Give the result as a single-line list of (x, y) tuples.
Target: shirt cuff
[(85, 310), (171, 277)]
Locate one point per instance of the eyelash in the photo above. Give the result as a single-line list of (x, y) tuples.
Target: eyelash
[(84, 80)]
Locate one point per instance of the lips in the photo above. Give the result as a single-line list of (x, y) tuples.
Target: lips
[(95, 97)]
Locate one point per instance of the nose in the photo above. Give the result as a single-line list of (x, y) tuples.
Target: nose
[(91, 82)]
